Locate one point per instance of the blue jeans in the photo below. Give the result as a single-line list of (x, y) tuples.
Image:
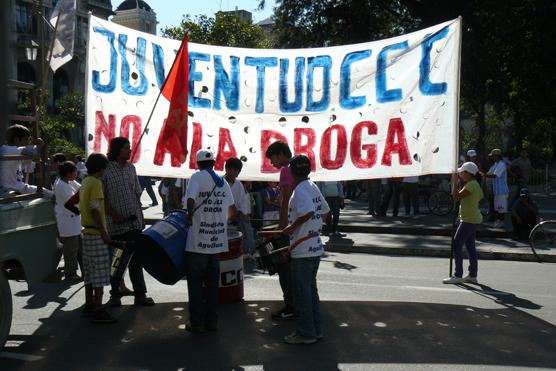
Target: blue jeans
[(465, 234), (202, 268), (306, 295), (248, 237)]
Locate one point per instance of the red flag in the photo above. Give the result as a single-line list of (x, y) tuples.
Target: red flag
[(173, 135)]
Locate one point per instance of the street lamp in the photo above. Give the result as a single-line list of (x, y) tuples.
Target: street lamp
[(31, 51)]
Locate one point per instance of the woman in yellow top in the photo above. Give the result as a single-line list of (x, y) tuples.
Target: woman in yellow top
[(470, 218)]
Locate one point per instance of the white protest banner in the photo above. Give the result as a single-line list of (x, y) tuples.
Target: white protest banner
[(372, 110)]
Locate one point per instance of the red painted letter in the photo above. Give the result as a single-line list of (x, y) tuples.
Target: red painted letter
[(102, 128), (135, 122), (224, 140), (268, 137), (196, 144), (356, 148), (305, 149), (171, 139), (341, 148), (396, 129)]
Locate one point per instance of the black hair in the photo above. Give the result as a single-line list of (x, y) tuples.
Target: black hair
[(300, 166), (116, 145), (16, 132), (78, 158), (209, 164), (278, 148), (67, 167), (96, 162), (233, 163), (59, 157)]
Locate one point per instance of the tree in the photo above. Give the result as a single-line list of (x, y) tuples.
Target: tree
[(223, 29), (507, 54)]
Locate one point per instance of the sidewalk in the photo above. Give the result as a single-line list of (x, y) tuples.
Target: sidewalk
[(421, 235)]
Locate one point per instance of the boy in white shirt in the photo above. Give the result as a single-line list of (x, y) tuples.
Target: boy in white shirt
[(306, 211), (18, 139), (233, 168)]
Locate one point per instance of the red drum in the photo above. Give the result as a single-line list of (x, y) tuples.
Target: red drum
[(231, 269)]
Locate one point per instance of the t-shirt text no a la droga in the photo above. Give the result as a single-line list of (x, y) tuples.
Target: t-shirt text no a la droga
[(208, 233)]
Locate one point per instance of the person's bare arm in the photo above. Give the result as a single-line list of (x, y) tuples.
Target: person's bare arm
[(95, 213)]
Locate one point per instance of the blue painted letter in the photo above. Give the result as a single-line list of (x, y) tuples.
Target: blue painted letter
[(324, 62), (194, 101), (425, 85), (223, 85), (346, 100), (261, 64), (294, 106), (158, 61), (111, 85), (384, 95), (143, 85)]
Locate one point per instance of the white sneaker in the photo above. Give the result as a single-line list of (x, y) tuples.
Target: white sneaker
[(452, 280), (498, 224), (469, 279)]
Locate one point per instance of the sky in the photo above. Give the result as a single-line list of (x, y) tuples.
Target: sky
[(169, 12)]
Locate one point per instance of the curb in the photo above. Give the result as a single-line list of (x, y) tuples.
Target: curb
[(418, 231), (436, 252)]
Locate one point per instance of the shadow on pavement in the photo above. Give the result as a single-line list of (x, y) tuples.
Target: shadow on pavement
[(502, 297), (154, 338)]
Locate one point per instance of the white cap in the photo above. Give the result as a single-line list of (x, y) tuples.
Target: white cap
[(204, 155), (472, 153), (469, 167)]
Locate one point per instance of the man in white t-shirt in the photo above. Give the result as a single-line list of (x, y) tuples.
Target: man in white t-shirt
[(18, 139), (499, 175), (306, 211), (242, 216), (209, 206)]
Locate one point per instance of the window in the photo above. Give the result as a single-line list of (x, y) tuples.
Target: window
[(24, 20)]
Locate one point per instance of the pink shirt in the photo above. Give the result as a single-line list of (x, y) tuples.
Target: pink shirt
[(286, 178)]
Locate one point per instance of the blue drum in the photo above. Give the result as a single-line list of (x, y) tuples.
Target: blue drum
[(161, 248)]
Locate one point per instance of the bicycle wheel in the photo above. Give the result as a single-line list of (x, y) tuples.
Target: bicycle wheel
[(543, 237), (440, 203)]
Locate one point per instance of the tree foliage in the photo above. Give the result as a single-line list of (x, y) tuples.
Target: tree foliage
[(507, 56), (223, 29)]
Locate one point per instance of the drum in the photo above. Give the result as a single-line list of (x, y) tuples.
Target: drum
[(273, 253), (231, 269), (121, 255), (161, 248)]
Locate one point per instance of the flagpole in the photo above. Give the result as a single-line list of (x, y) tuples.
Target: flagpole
[(136, 147), (46, 65), (86, 101), (456, 144)]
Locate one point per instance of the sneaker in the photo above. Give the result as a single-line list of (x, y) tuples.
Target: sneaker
[(143, 301), (115, 301), (102, 316), (452, 280), (469, 279), (295, 338), (284, 313), (498, 224), (88, 311), (196, 329), (320, 337)]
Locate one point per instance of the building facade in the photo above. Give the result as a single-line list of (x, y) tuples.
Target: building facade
[(136, 14)]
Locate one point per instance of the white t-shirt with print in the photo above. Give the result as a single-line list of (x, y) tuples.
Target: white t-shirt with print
[(306, 197), (69, 224), (208, 233), (240, 198), (12, 171)]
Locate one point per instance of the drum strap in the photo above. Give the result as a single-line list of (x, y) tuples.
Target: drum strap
[(302, 239), (206, 199)]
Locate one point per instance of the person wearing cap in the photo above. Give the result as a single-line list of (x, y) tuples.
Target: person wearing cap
[(499, 175), (470, 218), (525, 214), (209, 206), (307, 208)]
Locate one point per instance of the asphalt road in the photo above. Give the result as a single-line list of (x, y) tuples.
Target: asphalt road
[(379, 312)]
